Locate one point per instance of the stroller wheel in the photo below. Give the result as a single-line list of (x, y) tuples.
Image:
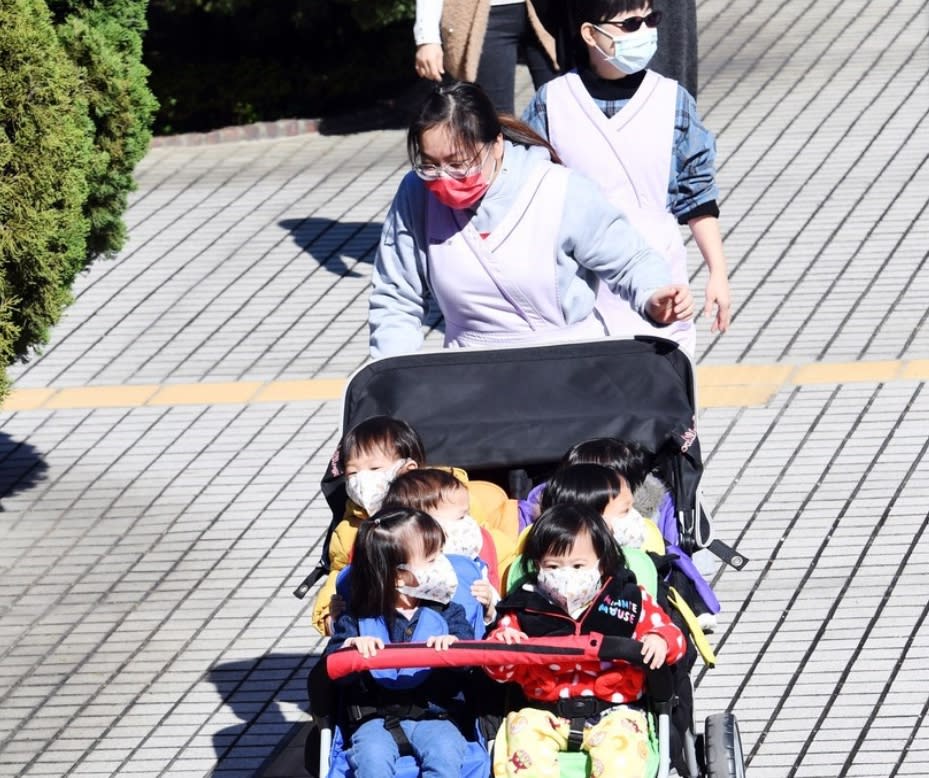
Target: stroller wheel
[(722, 747)]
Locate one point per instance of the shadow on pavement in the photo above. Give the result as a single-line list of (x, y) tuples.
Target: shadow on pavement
[(335, 244), (255, 689), (393, 113), (21, 467)]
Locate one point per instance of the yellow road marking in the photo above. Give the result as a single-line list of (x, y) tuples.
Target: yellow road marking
[(718, 386)]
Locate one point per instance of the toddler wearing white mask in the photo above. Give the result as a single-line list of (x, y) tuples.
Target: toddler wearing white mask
[(371, 455), (445, 498), (401, 587), (577, 583), (608, 493)]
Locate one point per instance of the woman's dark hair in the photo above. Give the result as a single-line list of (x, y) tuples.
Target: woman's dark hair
[(594, 12), (471, 119), (632, 461), (585, 484), (556, 530), (382, 433), (422, 489), (381, 545)]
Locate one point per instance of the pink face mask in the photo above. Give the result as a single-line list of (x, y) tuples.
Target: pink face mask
[(459, 194)]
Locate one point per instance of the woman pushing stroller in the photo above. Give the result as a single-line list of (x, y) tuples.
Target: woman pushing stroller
[(511, 245)]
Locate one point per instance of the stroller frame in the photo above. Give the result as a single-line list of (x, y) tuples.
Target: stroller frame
[(511, 410)]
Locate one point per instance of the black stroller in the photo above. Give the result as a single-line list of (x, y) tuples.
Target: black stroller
[(508, 415)]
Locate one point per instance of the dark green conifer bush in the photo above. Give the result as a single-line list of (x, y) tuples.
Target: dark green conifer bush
[(46, 156), (104, 40)]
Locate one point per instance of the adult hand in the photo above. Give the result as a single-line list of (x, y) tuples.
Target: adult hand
[(717, 293), (430, 61), (670, 304)]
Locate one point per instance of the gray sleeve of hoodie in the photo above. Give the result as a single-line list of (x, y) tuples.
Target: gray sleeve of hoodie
[(599, 238), (398, 301)]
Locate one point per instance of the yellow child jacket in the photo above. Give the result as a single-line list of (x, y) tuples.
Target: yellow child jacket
[(488, 507)]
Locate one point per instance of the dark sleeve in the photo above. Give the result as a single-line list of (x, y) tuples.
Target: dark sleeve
[(457, 620), (345, 627)]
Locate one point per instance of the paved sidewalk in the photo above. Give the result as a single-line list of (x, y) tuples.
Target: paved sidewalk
[(149, 549)]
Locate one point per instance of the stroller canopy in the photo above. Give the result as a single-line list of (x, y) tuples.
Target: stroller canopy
[(516, 407)]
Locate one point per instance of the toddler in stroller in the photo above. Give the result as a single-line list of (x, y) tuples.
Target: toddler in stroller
[(445, 498), (576, 583), (370, 456), (401, 588)]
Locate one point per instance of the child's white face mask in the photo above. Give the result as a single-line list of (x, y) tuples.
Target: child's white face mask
[(572, 589), (633, 52), (463, 536), (630, 529), (368, 488), (435, 581)]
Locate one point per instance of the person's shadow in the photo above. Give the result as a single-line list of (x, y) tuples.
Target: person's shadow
[(254, 690), (336, 246), (21, 467)]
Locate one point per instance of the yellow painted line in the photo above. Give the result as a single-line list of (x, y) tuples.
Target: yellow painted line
[(917, 370), (846, 372), (101, 397), (736, 396), (742, 375), (718, 386), (27, 399), (295, 391), (237, 393)]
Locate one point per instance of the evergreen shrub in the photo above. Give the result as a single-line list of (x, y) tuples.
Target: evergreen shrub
[(46, 157)]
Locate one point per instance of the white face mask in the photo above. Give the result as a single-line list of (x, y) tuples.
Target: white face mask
[(569, 588), (367, 488), (463, 536), (435, 581), (630, 529), (633, 52)]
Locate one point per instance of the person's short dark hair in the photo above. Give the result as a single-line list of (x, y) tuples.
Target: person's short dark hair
[(422, 488), (594, 12), (556, 530), (585, 484), (631, 460), (380, 547), (382, 433)]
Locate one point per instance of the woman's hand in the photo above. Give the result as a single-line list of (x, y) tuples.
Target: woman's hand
[(670, 304), (717, 293), (430, 61), (654, 650), (366, 646), (440, 642)]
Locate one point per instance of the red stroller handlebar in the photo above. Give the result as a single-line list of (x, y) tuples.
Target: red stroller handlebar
[(488, 653)]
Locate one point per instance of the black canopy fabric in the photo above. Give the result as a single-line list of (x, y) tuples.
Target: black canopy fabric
[(518, 407), (509, 408)]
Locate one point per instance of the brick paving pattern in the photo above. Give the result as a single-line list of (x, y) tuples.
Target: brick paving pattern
[(148, 554)]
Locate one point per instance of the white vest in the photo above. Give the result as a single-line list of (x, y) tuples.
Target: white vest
[(630, 157), (502, 290)]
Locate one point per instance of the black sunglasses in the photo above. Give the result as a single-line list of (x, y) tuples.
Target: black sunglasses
[(634, 22)]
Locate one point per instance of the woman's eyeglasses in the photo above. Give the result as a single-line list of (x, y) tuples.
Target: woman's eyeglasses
[(429, 171), (634, 22)]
